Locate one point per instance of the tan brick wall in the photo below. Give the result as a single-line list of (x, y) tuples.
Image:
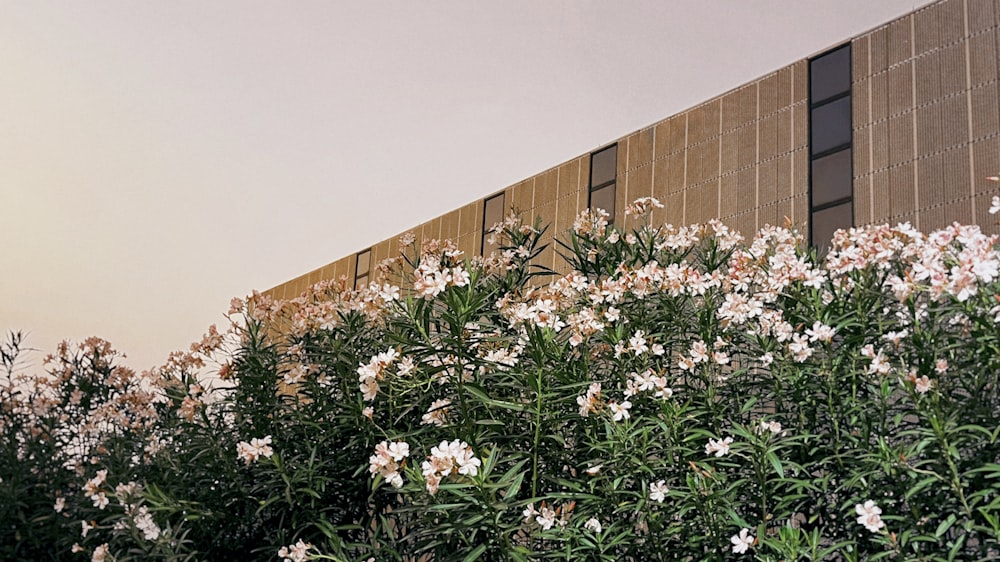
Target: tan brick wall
[(926, 111), (926, 116)]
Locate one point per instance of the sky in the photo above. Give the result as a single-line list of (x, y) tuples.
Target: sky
[(159, 158)]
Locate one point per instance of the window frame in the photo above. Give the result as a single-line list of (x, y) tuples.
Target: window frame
[(484, 235), (358, 275), (814, 105), (612, 183)]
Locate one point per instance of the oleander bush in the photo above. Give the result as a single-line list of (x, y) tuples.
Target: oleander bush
[(681, 394)]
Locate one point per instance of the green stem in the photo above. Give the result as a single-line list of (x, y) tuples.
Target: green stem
[(538, 435)]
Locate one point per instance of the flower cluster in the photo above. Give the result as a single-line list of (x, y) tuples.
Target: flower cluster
[(591, 401), (446, 459), (250, 452), (388, 460), (431, 280), (437, 414), (547, 517), (370, 373), (129, 495), (295, 552)]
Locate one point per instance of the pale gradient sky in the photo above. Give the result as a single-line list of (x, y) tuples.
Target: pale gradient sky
[(159, 158)]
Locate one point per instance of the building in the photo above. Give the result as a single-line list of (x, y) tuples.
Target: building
[(900, 123)]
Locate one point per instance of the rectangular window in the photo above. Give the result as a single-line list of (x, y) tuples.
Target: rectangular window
[(831, 178), (362, 266), (830, 74), (493, 211), (827, 221), (831, 125), (831, 174), (603, 173)]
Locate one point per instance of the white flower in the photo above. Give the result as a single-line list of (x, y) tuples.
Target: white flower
[(593, 524), (446, 459), (658, 491), (620, 411), (546, 518), (100, 500), (86, 528), (820, 332), (386, 461), (699, 352), (93, 485), (995, 207), (719, 448), (637, 343), (437, 414), (742, 541), (296, 552), (60, 504), (100, 553), (592, 401), (256, 448), (869, 515), (399, 450), (720, 357), (772, 426)]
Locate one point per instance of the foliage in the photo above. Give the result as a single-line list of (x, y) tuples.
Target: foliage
[(680, 394)]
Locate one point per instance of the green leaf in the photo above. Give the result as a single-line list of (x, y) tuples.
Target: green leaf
[(776, 463), (944, 526), (475, 554)]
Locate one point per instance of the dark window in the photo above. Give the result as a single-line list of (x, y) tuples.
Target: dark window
[(604, 198), (493, 210), (831, 175), (831, 125), (603, 172), (827, 221), (831, 178), (361, 268), (603, 166), (830, 74)]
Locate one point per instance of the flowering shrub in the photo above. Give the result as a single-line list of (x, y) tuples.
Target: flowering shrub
[(681, 394)]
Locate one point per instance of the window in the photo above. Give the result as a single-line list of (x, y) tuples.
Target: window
[(831, 178), (831, 183), (603, 172), (493, 210), (831, 126), (362, 266), (830, 74)]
